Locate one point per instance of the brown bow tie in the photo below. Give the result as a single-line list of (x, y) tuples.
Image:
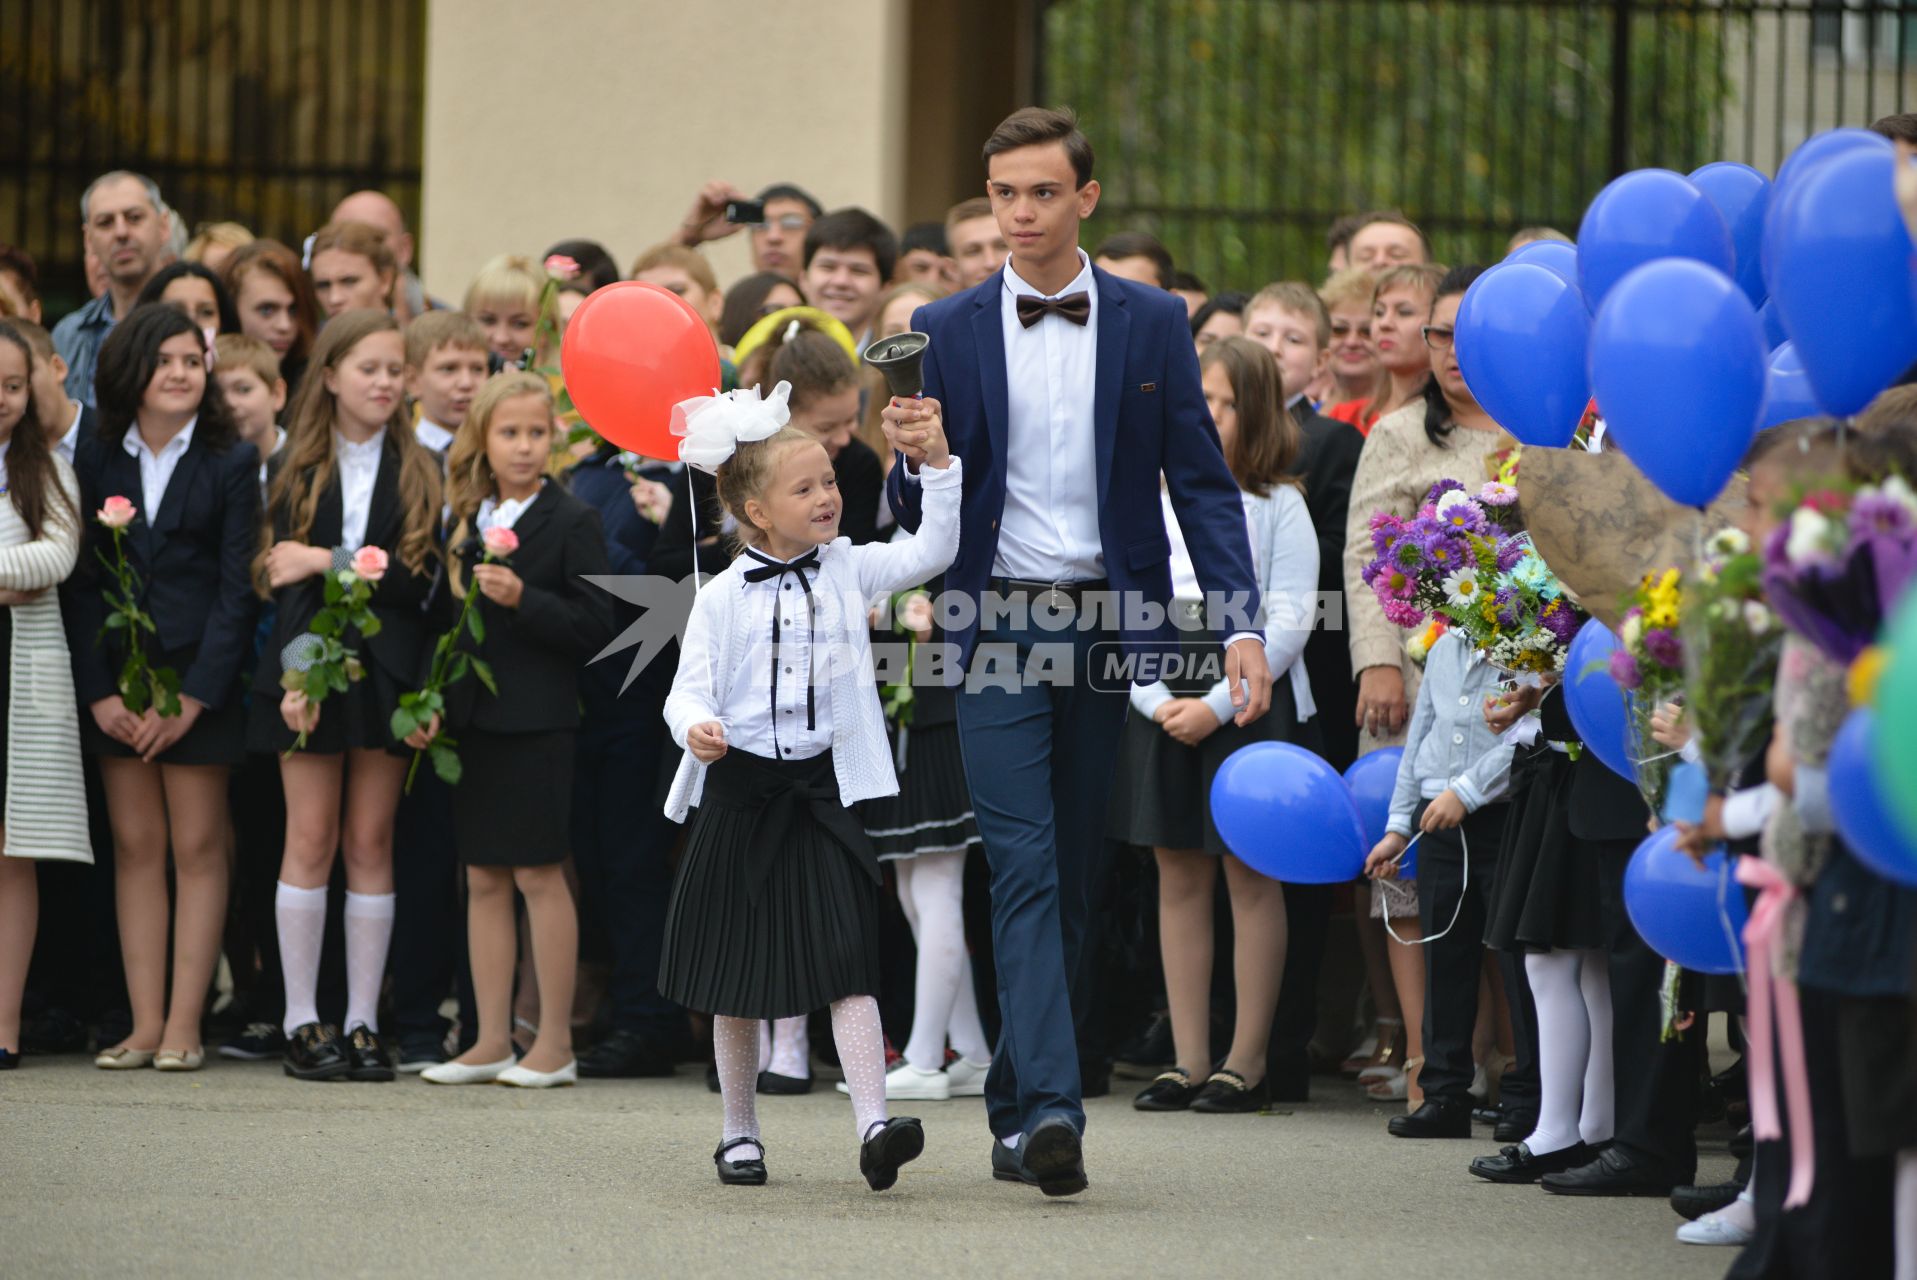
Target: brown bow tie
[(1076, 307)]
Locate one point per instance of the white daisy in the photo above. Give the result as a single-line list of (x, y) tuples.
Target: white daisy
[(1461, 588)]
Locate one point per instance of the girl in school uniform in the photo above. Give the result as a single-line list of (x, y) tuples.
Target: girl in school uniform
[(45, 814), (351, 475), (168, 444), (1178, 735), (512, 809), (775, 908)]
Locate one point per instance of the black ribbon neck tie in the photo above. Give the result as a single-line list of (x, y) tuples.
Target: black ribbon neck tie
[(1076, 307), (770, 570)]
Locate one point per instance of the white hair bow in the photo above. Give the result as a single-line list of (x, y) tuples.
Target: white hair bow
[(714, 426)]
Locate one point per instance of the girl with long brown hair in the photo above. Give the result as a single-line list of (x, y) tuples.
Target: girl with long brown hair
[(276, 303)]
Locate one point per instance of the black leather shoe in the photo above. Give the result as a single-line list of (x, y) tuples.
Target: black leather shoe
[(1517, 1164), (1437, 1118), (624, 1055), (316, 1052), (1006, 1165), (895, 1143), (9, 1059), (1054, 1158), (368, 1054), (1486, 1115), (1692, 1203), (1514, 1127), (773, 1082), (740, 1173), (1226, 1093), (1171, 1091), (1614, 1173)]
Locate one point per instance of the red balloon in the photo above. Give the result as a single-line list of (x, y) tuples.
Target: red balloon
[(631, 352)]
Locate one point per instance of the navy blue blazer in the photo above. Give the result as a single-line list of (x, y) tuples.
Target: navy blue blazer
[(193, 557), (1148, 416)]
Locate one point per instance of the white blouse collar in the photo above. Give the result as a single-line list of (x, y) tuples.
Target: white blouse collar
[(359, 450)]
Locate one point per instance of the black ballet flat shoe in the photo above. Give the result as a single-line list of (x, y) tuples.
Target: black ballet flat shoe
[(369, 1057), (316, 1052), (9, 1059), (773, 1082), (1514, 1127), (1518, 1165), (740, 1173), (895, 1143), (1172, 1091), (1615, 1172), (1436, 1118), (1053, 1157), (1226, 1093)]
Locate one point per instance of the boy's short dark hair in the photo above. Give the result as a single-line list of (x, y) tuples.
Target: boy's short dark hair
[(1139, 244), (1901, 127), (791, 191), (1186, 282), (1036, 126), (854, 229), (925, 235)]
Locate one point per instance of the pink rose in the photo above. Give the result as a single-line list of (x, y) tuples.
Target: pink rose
[(500, 541), (561, 267), (118, 512), (369, 563), (916, 613)]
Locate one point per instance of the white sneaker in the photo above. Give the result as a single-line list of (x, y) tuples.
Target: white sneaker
[(906, 1083), (463, 1073), (967, 1077), (1714, 1228)]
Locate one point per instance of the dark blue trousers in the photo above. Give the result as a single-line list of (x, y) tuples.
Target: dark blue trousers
[(429, 925), (1039, 759)]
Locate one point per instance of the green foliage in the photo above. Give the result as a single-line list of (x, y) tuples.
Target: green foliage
[(141, 684)]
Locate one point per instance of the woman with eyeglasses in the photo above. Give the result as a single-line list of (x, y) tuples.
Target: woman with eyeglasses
[(1354, 369), (1441, 434)]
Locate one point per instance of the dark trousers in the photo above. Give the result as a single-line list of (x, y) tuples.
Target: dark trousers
[(1656, 1078), (1519, 1094), (1454, 963), (429, 931), (620, 841), (1039, 759), (252, 935), (1307, 924)]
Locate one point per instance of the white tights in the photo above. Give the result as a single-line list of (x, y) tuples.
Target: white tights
[(735, 1052), (932, 892), (1572, 990), (1904, 1214)]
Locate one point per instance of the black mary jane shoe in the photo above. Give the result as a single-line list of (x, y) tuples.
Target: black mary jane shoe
[(740, 1173), (369, 1057), (315, 1051), (1517, 1164), (1172, 1091), (1227, 1093), (773, 1082), (895, 1143)]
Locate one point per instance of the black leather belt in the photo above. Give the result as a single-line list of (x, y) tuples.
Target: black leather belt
[(1054, 595)]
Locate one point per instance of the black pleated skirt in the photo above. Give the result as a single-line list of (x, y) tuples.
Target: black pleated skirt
[(804, 935), (933, 810), (1546, 896), (513, 804), (359, 719), (218, 737)]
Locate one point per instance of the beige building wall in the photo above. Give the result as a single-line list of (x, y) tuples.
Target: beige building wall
[(602, 118)]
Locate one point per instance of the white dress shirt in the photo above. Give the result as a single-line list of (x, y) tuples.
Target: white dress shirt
[(436, 438), (156, 472), (494, 514), (1049, 531), (71, 440), (763, 685), (358, 469)]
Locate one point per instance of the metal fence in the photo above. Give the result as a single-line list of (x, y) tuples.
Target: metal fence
[(264, 112), (1237, 130)]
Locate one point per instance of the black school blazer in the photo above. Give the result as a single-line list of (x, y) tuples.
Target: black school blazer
[(193, 557), (536, 650), (403, 646)]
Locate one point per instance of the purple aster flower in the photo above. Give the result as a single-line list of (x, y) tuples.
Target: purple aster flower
[(1512, 550), (1440, 547), (1441, 488), (1880, 515), (1561, 620), (1510, 606), (1466, 517), (1663, 646), (1624, 670)]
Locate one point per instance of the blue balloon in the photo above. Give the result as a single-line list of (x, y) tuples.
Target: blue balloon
[(1741, 194), (1787, 389), (1813, 152), (1869, 827), (1555, 256), (1644, 216), (1597, 705), (1522, 336), (1841, 280), (1372, 778), (1692, 916), (1677, 364), (1287, 814), (1774, 335)]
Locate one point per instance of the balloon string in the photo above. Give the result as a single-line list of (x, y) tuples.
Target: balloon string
[(1456, 911)]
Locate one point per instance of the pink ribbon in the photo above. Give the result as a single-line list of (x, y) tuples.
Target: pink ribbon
[(1771, 995)]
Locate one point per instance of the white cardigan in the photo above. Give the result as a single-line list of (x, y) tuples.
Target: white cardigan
[(46, 803), (849, 578)]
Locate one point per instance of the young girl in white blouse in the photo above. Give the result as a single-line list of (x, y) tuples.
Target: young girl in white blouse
[(775, 908), (1177, 736)]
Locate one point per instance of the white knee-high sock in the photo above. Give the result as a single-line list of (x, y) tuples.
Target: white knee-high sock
[(300, 915), (861, 1042), (765, 1045), (1904, 1214), (369, 934), (1597, 1119), (791, 1048), (936, 887), (1564, 1048), (735, 1051)]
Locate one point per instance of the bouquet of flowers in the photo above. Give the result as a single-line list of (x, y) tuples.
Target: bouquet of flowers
[(450, 665), (1835, 569), (1732, 642), (141, 684), (319, 664), (1648, 665)]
